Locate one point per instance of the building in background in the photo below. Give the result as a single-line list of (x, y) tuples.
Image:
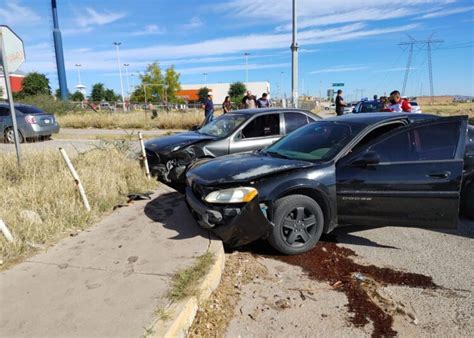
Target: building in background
[(189, 92), (16, 81)]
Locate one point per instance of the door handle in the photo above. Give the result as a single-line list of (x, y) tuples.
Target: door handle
[(439, 174)]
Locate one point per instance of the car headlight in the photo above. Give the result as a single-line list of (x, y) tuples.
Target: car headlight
[(233, 195)]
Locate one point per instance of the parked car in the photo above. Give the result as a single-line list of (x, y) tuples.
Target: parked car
[(415, 108), (349, 107), (235, 132), (368, 106), (370, 169), (32, 122)]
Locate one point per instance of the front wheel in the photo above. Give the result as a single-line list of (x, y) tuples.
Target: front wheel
[(10, 137), (299, 223)]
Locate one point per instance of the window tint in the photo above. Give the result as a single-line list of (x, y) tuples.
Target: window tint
[(29, 110), (370, 107), (4, 111), (294, 120), (375, 134), (262, 126), (432, 142)]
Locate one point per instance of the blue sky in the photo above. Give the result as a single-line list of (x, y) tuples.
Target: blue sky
[(355, 42)]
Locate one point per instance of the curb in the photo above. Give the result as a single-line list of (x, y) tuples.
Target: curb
[(184, 311)]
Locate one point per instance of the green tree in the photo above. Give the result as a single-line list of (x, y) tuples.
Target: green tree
[(172, 85), (35, 84), (154, 82), (236, 92), (77, 96), (202, 93), (98, 92), (111, 96)]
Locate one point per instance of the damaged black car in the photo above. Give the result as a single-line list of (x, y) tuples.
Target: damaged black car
[(378, 169), (234, 132)]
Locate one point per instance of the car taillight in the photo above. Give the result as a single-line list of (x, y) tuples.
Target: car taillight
[(30, 119)]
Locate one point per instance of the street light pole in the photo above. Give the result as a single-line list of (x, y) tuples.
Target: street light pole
[(205, 78), (117, 44), (78, 65), (127, 76), (246, 67), (294, 60)]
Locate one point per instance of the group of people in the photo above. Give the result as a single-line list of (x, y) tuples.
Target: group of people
[(394, 103), (249, 101)]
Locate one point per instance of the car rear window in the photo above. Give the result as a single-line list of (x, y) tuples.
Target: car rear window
[(29, 110)]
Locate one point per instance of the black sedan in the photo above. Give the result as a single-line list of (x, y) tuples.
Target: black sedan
[(381, 168), (235, 132)]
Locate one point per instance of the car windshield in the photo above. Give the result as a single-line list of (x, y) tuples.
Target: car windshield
[(319, 141), (29, 110), (223, 125)]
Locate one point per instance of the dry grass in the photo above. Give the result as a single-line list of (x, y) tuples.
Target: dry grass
[(450, 109), (134, 120), (44, 185)]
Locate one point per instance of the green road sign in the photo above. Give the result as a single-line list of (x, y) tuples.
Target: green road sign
[(338, 84)]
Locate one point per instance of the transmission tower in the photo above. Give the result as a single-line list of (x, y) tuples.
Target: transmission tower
[(428, 42)]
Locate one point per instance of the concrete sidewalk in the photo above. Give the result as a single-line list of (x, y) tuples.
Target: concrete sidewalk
[(106, 281)]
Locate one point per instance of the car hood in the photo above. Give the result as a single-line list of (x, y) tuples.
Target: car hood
[(176, 141), (241, 168)]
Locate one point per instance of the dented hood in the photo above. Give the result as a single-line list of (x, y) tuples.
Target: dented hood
[(241, 168), (176, 141)]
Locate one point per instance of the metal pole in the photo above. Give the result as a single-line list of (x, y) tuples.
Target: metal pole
[(117, 44), (205, 78), (294, 60), (10, 100), (127, 76), (246, 67), (78, 65), (144, 91), (143, 157), (430, 70), (58, 50)]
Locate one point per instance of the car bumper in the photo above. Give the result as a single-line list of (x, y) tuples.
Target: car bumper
[(35, 130), (246, 226)]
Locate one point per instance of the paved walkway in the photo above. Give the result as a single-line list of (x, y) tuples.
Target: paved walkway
[(106, 281)]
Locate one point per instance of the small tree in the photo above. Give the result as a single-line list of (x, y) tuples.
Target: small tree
[(111, 96), (98, 92), (77, 96), (35, 84), (172, 85), (237, 91), (202, 93)]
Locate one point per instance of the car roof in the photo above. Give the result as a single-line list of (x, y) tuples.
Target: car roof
[(371, 118), (269, 110), (4, 104)]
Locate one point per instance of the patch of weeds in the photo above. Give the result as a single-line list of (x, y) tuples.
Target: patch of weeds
[(185, 283), (148, 332), (163, 314)]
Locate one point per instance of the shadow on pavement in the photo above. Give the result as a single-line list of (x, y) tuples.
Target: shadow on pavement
[(170, 210)]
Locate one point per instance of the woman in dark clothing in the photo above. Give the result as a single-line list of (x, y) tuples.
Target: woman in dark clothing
[(227, 105)]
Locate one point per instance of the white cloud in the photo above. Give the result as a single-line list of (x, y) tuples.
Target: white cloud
[(195, 22), (94, 18), (12, 13), (76, 31), (218, 69), (438, 14), (340, 69), (150, 30)]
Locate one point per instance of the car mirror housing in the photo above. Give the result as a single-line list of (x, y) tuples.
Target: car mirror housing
[(368, 158)]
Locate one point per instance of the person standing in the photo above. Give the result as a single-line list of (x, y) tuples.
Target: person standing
[(397, 104), (249, 101), (340, 103), (208, 109), (263, 102), (227, 105)]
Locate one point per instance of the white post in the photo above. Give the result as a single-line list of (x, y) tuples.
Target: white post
[(294, 60), (117, 44), (77, 180), (144, 159), (6, 232), (128, 81)]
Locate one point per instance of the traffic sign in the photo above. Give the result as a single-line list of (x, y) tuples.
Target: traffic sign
[(338, 84), (13, 48)]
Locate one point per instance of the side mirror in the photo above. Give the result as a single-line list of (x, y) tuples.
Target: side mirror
[(369, 158)]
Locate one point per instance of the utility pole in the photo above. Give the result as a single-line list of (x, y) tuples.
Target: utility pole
[(128, 80), (410, 55), (246, 67), (58, 51), (294, 60), (205, 78), (78, 65), (428, 42), (117, 44)]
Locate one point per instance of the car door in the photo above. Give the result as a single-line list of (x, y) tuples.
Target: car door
[(5, 119), (260, 132), (408, 177)]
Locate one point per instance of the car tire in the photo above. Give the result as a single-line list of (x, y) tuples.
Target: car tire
[(9, 138), (467, 201), (298, 224)]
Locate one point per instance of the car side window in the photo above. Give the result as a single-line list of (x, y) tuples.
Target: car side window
[(262, 126), (294, 120), (424, 143), (4, 111), (376, 133)]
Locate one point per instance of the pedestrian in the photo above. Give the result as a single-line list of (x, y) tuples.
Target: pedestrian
[(340, 103), (208, 109), (375, 97), (397, 104), (263, 102), (227, 105), (249, 101)]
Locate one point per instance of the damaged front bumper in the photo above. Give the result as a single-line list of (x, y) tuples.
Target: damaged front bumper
[(236, 226), (170, 167)]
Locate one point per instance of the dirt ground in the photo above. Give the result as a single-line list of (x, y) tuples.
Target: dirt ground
[(379, 281)]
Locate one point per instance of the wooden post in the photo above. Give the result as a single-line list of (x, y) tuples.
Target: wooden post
[(77, 180), (6, 232), (143, 157)]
